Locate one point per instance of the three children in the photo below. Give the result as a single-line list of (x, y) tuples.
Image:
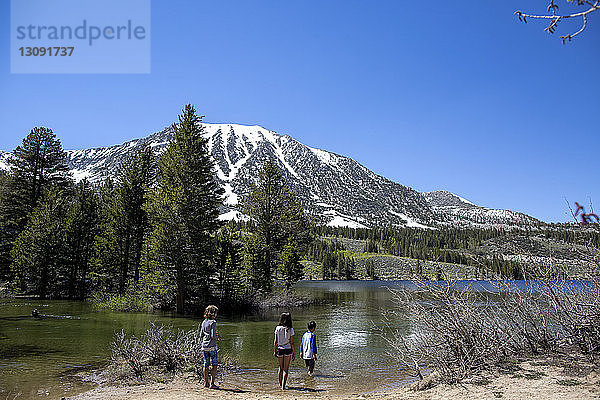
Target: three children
[(283, 347)]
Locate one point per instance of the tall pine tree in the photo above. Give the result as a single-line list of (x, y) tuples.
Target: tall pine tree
[(6, 236), (229, 263), (37, 164), (185, 209), (291, 268)]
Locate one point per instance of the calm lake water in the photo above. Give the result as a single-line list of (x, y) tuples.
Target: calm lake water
[(41, 357)]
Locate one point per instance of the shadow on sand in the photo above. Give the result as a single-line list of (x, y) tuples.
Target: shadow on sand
[(221, 389), (304, 389)]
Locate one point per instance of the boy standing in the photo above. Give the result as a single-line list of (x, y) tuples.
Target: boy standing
[(208, 335), (308, 348)]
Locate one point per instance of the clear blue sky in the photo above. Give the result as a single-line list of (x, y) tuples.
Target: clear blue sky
[(434, 95)]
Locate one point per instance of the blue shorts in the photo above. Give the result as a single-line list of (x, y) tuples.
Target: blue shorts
[(210, 358)]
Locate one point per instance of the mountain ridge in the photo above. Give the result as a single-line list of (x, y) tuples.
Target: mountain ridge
[(334, 189)]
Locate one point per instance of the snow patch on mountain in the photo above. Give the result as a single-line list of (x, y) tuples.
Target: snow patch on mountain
[(81, 174), (453, 210), (334, 189), (4, 156), (464, 200), (409, 221), (325, 156), (230, 197), (233, 215), (340, 221)]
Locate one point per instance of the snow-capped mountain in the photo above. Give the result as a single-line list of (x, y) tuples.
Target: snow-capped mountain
[(454, 210), (334, 189)]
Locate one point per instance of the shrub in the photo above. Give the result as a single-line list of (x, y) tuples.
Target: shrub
[(131, 350), (169, 348), (163, 348), (127, 302), (459, 331)]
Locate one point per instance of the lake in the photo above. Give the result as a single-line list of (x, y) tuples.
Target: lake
[(41, 357)]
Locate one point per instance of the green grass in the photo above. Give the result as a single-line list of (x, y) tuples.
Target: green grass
[(128, 302)]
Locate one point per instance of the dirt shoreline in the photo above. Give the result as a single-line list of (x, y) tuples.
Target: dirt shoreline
[(530, 380)]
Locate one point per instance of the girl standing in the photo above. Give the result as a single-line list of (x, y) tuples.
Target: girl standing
[(283, 347)]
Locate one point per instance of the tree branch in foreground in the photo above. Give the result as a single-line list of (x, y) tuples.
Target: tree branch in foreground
[(555, 17)]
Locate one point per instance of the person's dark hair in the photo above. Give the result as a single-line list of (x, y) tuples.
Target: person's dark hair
[(312, 325), (285, 319)]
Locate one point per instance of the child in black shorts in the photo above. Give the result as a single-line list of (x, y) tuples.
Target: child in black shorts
[(308, 348)]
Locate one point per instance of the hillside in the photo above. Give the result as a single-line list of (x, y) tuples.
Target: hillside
[(334, 189)]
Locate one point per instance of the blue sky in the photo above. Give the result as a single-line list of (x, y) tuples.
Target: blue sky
[(457, 96)]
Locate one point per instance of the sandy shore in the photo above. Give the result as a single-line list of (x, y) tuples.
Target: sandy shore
[(533, 380)]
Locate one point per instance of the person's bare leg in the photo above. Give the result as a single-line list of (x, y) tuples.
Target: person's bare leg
[(213, 377), (205, 373), (286, 367), (280, 371)]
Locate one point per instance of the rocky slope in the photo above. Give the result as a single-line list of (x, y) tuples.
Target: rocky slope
[(451, 209), (334, 189)]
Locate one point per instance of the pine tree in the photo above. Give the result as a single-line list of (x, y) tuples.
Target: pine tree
[(370, 269), (371, 246), (350, 268), (37, 164), (125, 220), (81, 228), (139, 180), (106, 244), (185, 209), (291, 268), (6, 236), (254, 264), (134, 179), (229, 262), (277, 219), (39, 253)]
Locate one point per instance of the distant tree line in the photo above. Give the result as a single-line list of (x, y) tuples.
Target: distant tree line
[(446, 245), (153, 231), (461, 238), (334, 263)]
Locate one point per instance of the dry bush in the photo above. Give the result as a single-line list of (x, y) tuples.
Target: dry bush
[(163, 348), (168, 347), (130, 350), (575, 308), (459, 331)]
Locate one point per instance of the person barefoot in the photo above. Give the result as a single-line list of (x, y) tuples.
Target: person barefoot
[(283, 347), (208, 337), (308, 348)]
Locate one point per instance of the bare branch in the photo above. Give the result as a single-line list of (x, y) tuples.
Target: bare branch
[(555, 17)]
